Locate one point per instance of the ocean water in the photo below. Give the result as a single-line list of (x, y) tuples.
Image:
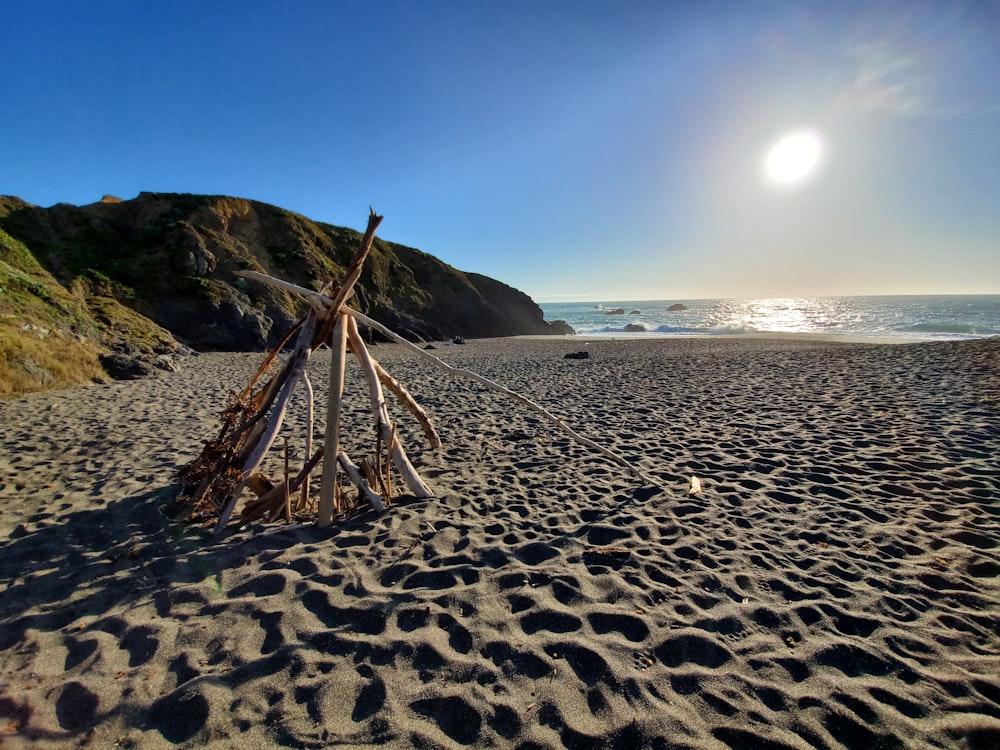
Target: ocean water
[(916, 318)]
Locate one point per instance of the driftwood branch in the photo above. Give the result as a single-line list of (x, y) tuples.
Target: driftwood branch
[(317, 301), (304, 497), (404, 397), (382, 421), (354, 473), (321, 299), (328, 490), (457, 371), (354, 272)]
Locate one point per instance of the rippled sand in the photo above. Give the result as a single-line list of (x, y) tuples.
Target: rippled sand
[(836, 583)]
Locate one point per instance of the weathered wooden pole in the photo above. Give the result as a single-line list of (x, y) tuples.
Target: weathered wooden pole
[(304, 497), (328, 489), (383, 423)]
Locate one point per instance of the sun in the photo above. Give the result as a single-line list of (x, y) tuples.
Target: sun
[(793, 157)]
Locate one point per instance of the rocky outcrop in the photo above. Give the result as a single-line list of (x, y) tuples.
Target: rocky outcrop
[(129, 362), (518, 312), (172, 258)]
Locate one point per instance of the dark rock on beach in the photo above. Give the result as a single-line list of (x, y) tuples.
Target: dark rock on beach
[(562, 327), (129, 362), (120, 367)]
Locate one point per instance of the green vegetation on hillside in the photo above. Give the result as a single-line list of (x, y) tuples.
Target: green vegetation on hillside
[(44, 340), (136, 277)]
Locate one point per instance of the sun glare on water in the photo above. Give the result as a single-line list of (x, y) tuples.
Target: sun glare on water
[(793, 157)]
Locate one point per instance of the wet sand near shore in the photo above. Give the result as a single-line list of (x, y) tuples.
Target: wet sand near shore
[(835, 583)]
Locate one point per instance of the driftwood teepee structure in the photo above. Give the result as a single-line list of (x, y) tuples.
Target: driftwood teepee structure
[(212, 484)]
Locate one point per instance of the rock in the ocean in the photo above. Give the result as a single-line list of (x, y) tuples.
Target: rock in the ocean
[(676, 307), (635, 328)]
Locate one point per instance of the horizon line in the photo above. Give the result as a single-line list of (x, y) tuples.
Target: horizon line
[(570, 298)]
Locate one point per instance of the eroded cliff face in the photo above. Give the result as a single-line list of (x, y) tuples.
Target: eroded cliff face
[(150, 276)]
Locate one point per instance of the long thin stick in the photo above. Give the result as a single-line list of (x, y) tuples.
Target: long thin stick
[(355, 315), (400, 392), (378, 464), (269, 359), (304, 497), (388, 465), (316, 300), (392, 335), (328, 489), (288, 496), (354, 272), (399, 458)]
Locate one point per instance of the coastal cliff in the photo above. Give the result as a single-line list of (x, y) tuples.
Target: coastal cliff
[(125, 287)]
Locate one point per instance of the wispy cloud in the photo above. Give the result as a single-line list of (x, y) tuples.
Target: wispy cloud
[(923, 60), (885, 83)]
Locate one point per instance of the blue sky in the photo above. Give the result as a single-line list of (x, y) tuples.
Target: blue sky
[(575, 150)]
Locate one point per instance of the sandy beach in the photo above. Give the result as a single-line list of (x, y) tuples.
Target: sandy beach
[(834, 584)]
